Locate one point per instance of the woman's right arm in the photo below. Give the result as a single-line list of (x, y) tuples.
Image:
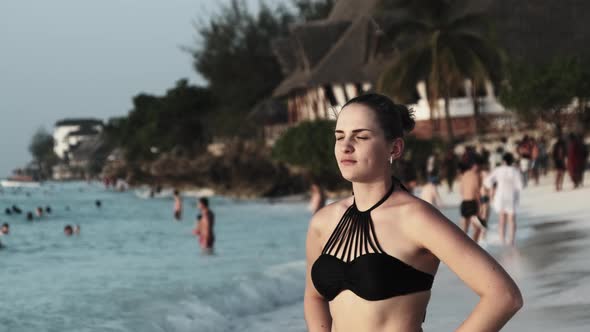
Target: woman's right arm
[(317, 312)]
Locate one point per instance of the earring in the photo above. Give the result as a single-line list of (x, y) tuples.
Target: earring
[(390, 160)]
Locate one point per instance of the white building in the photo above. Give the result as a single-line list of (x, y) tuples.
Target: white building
[(68, 133)]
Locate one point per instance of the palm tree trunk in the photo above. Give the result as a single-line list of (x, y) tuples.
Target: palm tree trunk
[(449, 122)]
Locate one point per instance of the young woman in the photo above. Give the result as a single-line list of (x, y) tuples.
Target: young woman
[(509, 184), (372, 257)]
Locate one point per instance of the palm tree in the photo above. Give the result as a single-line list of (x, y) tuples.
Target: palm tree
[(443, 43)]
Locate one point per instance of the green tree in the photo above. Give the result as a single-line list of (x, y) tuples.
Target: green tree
[(310, 146), (176, 120), (441, 43), (234, 54), (41, 148), (543, 91)]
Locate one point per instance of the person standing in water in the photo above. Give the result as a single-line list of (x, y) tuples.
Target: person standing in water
[(317, 198), (205, 226), (177, 205), (5, 230), (509, 184), (383, 283)]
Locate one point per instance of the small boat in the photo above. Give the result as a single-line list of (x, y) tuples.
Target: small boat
[(20, 181)]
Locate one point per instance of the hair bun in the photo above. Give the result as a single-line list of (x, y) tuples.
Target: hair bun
[(407, 118)]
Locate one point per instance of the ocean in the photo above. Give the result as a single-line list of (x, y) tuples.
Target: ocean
[(133, 268)]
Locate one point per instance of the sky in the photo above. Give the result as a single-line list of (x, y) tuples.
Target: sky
[(82, 58)]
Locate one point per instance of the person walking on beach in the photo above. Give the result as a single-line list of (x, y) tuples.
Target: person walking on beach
[(470, 187), (450, 168), (383, 283), (430, 193), (559, 154), (205, 226), (484, 193), (575, 159), (525, 151), (177, 205), (508, 181)]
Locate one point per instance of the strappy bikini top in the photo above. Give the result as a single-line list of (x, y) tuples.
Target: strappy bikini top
[(353, 259)]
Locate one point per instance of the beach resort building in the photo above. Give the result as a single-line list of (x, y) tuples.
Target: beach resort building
[(329, 61)]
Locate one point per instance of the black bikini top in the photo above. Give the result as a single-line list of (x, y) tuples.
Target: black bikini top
[(353, 259)]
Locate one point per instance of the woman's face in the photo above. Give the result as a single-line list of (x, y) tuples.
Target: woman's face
[(361, 150)]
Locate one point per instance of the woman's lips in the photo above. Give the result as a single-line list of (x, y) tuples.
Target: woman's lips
[(347, 162)]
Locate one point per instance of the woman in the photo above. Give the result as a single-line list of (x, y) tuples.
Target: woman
[(372, 257), (204, 228), (509, 184)]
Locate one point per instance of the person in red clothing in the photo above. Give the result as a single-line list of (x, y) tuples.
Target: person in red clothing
[(575, 159)]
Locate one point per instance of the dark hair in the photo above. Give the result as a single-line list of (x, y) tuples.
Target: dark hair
[(68, 228), (176, 192), (395, 119), (508, 158), (204, 201), (5, 225)]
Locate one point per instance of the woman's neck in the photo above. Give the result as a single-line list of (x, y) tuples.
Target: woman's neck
[(367, 194)]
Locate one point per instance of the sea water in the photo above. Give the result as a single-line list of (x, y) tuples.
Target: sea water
[(133, 268)]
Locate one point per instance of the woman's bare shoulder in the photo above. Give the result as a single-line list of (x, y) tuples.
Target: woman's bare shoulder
[(329, 214), (409, 208)]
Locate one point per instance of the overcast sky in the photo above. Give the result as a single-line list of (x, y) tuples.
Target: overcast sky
[(83, 58)]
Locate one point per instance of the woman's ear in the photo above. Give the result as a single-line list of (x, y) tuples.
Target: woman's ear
[(397, 148)]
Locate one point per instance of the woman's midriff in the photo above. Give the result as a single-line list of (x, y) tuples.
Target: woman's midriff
[(405, 313)]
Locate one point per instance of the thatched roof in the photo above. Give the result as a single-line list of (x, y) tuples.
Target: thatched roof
[(344, 48), (336, 49)]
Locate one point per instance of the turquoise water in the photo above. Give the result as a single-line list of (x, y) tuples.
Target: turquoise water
[(133, 268)]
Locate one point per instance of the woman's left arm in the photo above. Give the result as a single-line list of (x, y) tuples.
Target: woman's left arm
[(500, 298)]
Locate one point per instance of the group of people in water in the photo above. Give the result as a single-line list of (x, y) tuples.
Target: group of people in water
[(39, 214)]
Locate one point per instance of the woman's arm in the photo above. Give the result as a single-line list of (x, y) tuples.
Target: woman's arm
[(204, 227), (500, 298), (317, 312)]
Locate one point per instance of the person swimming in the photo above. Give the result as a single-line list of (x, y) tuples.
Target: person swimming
[(29, 216), (16, 209), (68, 230)]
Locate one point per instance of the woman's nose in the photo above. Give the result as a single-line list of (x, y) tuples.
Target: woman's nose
[(346, 146)]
